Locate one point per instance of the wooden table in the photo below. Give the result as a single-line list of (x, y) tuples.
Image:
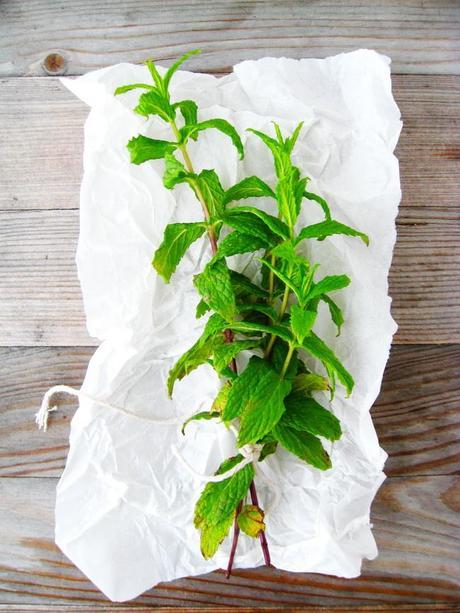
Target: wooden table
[(42, 329)]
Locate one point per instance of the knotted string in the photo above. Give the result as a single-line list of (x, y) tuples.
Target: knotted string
[(250, 452), (41, 418)]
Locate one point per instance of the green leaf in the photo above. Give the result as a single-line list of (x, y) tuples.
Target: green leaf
[(127, 88), (156, 76), (224, 352), (250, 187), (215, 287), (273, 223), (216, 323), (310, 382), (256, 396), (249, 326), (323, 204), (177, 239), (281, 157), (175, 172), (219, 500), (219, 124), (278, 357), (220, 400), (242, 286), (268, 449), (301, 322), (236, 242), (154, 103), (189, 111), (285, 194), (199, 416), (329, 228), (201, 309), (269, 311), (304, 445), (305, 414), (212, 191), (335, 311), (318, 348), (172, 69), (285, 279), (290, 142), (141, 149), (328, 284), (251, 520), (198, 354), (247, 223), (212, 536)]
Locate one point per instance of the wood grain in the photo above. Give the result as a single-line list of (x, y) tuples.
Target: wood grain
[(416, 414), (38, 246), (421, 37), (418, 562)]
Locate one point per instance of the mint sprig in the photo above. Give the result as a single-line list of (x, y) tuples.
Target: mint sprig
[(270, 403)]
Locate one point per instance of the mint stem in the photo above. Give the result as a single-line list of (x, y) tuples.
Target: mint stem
[(236, 533), (262, 537)]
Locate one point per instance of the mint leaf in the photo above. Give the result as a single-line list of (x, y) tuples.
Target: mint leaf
[(310, 382), (251, 520), (216, 323), (256, 396), (285, 279), (220, 400), (273, 223), (197, 355), (172, 69), (156, 77), (242, 286), (323, 204), (250, 187), (304, 445), (219, 500), (224, 352), (199, 416), (175, 172), (154, 103), (219, 124), (212, 191), (177, 239), (141, 149), (268, 449), (328, 284), (335, 312), (280, 155), (278, 356), (301, 322), (189, 111), (305, 414), (260, 308), (318, 348), (247, 223), (236, 242), (249, 326), (213, 535), (215, 287), (201, 309), (127, 88), (291, 141), (329, 228)]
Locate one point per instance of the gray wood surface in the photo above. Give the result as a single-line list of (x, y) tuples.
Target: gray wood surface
[(43, 340), (420, 36)]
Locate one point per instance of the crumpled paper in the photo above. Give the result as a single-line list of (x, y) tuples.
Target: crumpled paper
[(124, 503)]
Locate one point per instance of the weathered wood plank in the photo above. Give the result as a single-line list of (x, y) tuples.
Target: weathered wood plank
[(40, 297), (414, 521), (416, 414), (421, 37)]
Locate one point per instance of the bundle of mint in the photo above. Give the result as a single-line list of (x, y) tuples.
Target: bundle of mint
[(236, 236)]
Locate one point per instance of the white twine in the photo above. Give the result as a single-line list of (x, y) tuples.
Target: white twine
[(41, 418), (250, 453)]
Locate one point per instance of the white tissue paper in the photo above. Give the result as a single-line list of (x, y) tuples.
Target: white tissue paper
[(124, 503)]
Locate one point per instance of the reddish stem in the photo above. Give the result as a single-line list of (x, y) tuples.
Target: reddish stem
[(236, 533), (262, 537)]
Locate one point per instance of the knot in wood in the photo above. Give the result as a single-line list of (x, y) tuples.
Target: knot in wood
[(55, 64)]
